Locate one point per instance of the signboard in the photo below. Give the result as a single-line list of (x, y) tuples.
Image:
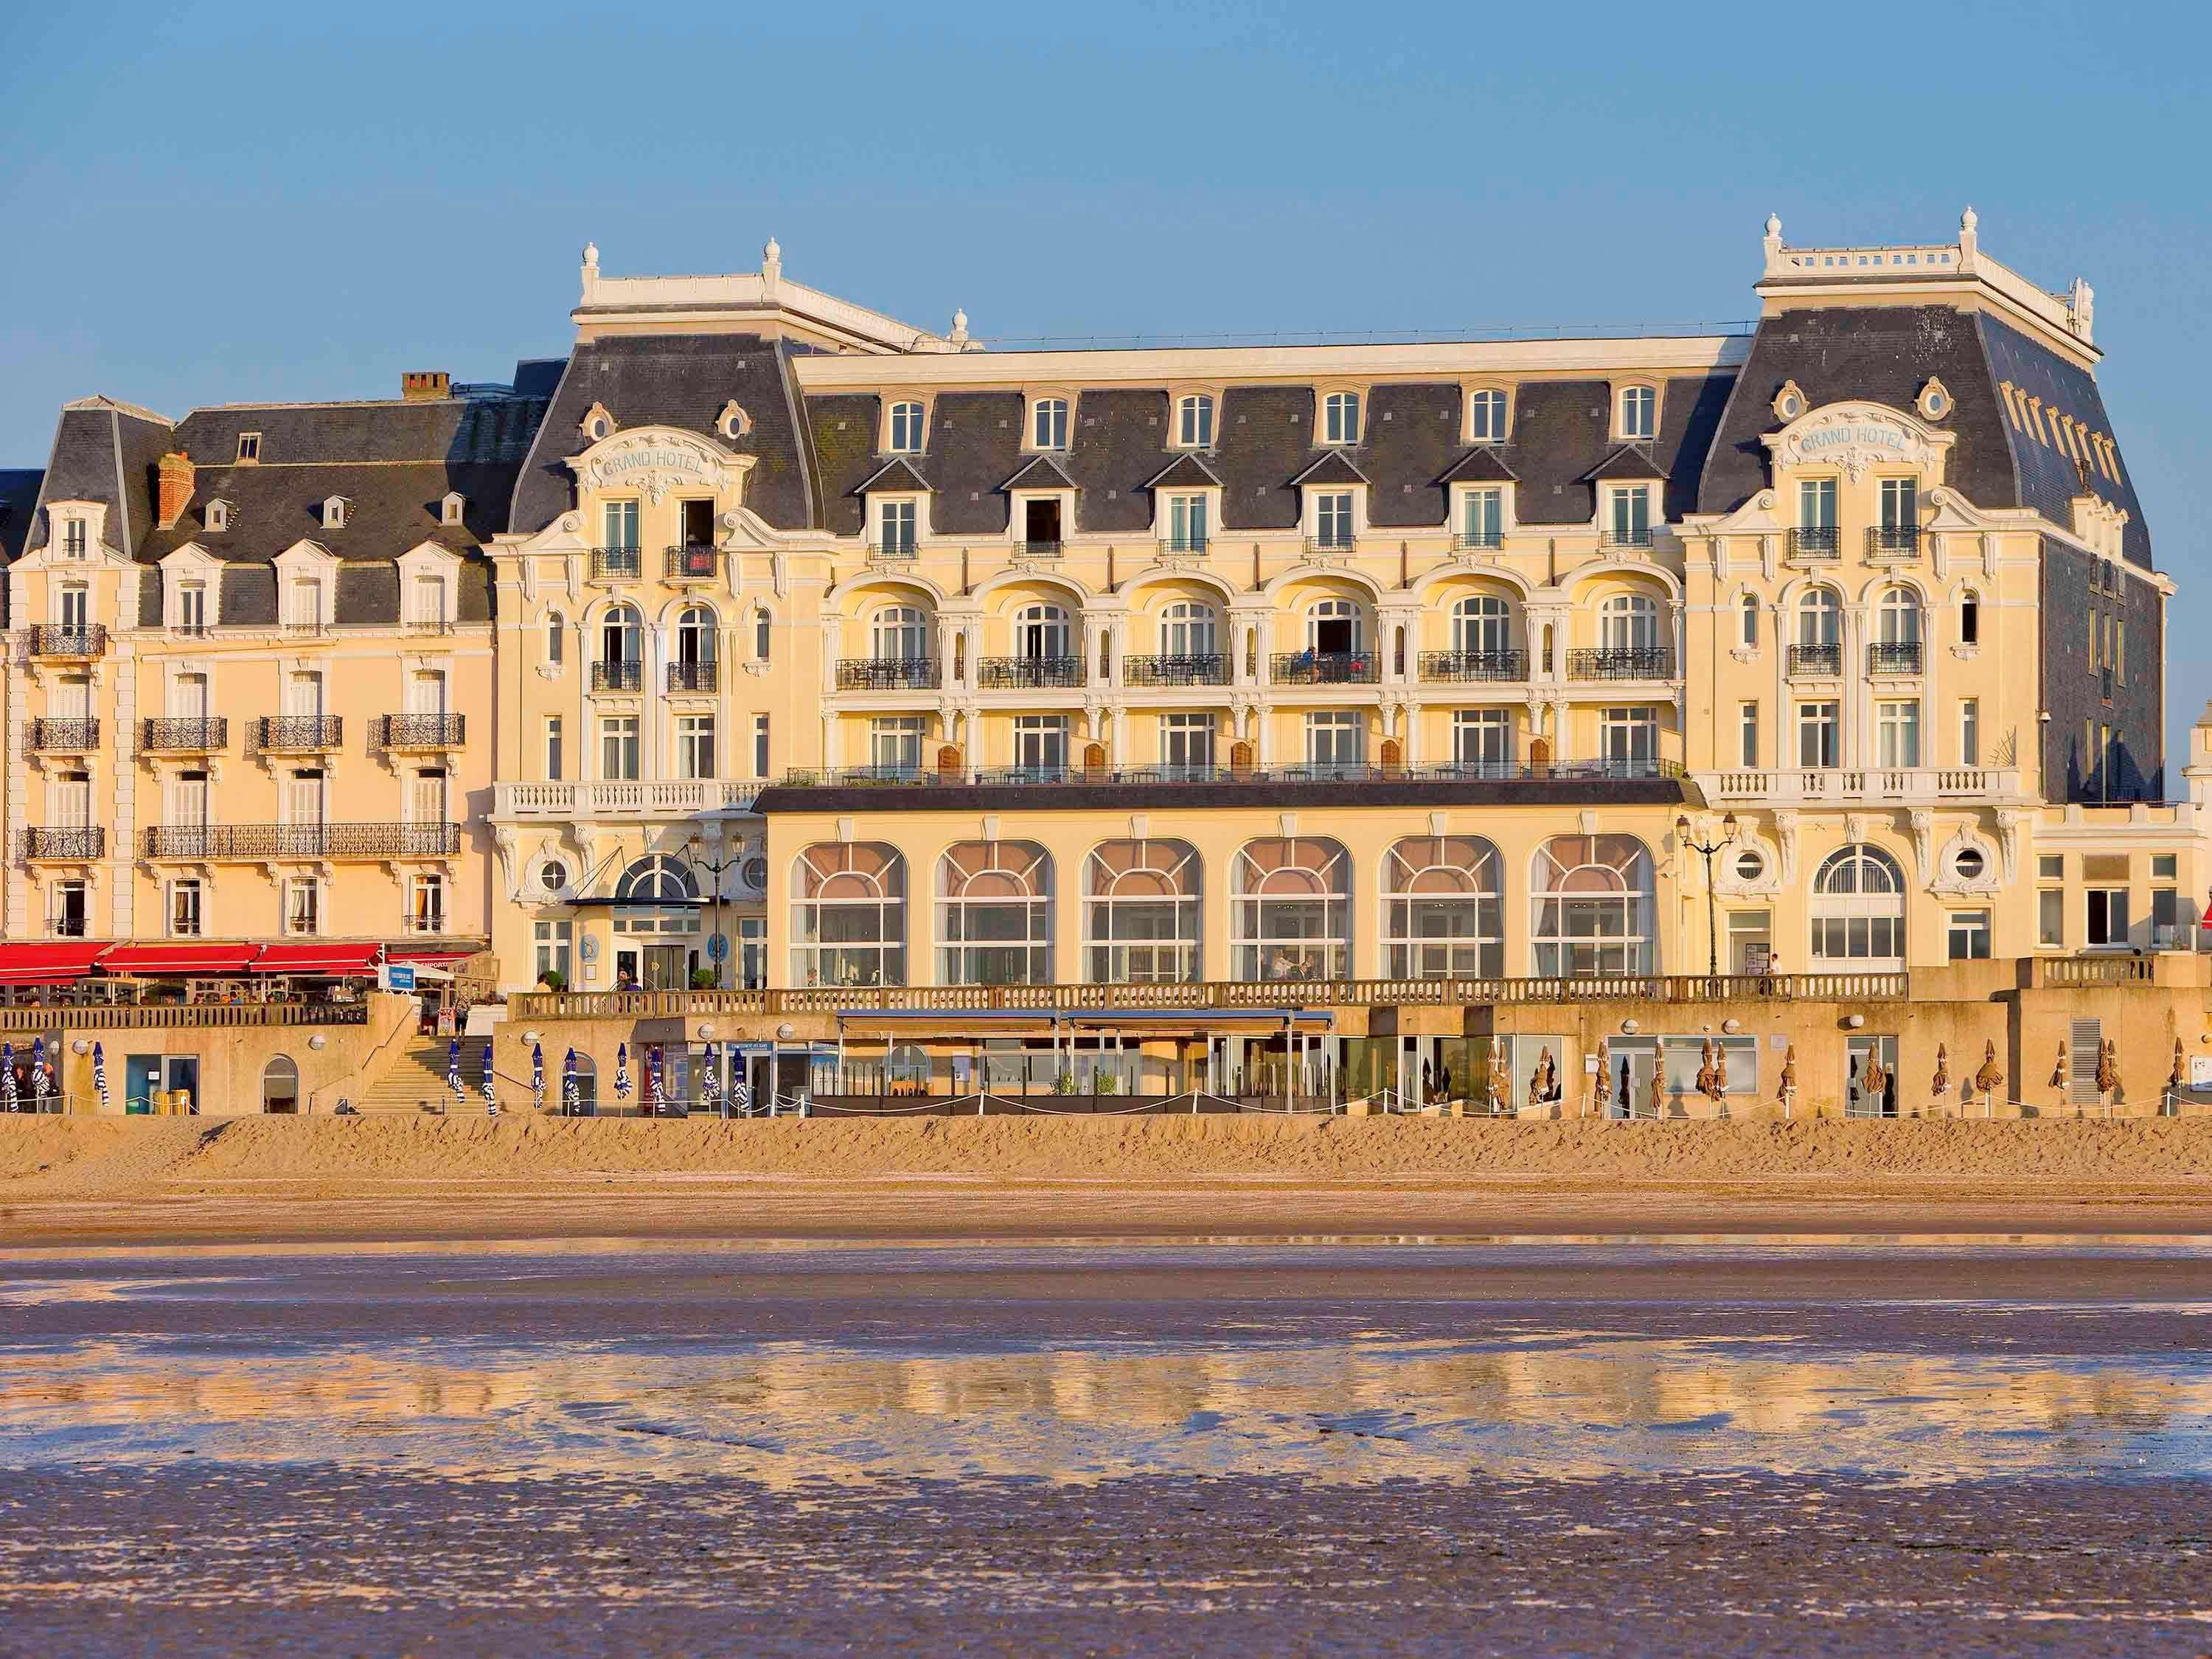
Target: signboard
[(2200, 1070), (1589, 1065), (399, 976), (717, 947), (1756, 958)]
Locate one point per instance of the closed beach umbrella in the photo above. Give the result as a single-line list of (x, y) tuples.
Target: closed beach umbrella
[(710, 1081), (571, 1096), (453, 1070), (621, 1071), (7, 1095), (741, 1096), (490, 1089), (536, 1077), (39, 1081), (100, 1074), (652, 1072)]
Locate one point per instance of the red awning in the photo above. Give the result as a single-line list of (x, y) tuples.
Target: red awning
[(178, 959), (336, 959), (53, 963), (426, 956)]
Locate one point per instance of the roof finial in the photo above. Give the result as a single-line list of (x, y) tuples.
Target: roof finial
[(592, 256), (959, 334), (771, 262), (1969, 219), (1968, 238), (1774, 226)]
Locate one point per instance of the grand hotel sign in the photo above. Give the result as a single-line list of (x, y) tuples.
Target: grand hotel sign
[(652, 460), (1854, 437)]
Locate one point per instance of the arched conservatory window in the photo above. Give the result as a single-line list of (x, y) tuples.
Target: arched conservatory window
[(1628, 621), (1593, 902), (657, 878), (1821, 617), (848, 915), (1140, 912), (1042, 633), (622, 634), (994, 914), (1482, 625), (899, 633), (696, 632), (1858, 909), (1189, 629), (1443, 908), (1291, 910)]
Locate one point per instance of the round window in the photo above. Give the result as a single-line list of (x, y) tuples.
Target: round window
[(554, 876), (1749, 865), (1792, 407), (598, 429), (1969, 864), (1937, 402), (754, 874)]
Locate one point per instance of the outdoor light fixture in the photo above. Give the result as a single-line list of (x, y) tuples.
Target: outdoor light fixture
[(317, 1041), (80, 1046), (785, 1029), (1855, 1021), (1732, 1027), (1628, 1026), (530, 1036), (707, 1032), (1708, 848)]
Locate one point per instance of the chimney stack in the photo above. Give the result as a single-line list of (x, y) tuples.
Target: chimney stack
[(423, 386), (174, 492)]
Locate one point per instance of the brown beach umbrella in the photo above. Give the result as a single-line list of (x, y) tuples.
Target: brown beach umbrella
[(2108, 1068), (1705, 1070), (2058, 1070), (1990, 1078), (1658, 1097), (1939, 1084), (2173, 1082), (1788, 1071), (1720, 1070), (1604, 1073)]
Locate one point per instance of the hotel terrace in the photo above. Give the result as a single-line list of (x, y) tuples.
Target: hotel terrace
[(1262, 722)]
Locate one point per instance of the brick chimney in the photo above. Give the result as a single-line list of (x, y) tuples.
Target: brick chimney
[(423, 386), (175, 491)]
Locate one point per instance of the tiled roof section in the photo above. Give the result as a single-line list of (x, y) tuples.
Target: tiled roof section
[(394, 506), (974, 445), (1411, 432), (1562, 435), (105, 454), (1040, 472), (1331, 467), (247, 595), (1188, 470), (1267, 436), (1884, 355), (455, 429), (538, 377), (1483, 465), (842, 432), (19, 503), (2049, 475), (1120, 435), (680, 380), (897, 473), (1630, 464)]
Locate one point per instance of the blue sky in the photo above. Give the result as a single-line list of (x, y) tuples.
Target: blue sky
[(214, 202)]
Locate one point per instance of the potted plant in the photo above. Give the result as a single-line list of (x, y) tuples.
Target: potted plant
[(702, 979)]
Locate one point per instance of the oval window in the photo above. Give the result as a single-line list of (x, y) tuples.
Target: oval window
[(1969, 864), (1749, 866)]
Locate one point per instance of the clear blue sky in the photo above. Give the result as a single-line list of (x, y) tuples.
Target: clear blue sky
[(213, 203)]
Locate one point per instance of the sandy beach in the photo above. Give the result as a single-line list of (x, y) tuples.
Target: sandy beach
[(91, 1180)]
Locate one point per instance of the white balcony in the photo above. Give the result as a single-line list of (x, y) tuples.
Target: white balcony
[(1815, 785), (624, 798)]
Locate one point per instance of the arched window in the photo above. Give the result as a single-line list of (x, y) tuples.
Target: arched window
[(1194, 422), (1189, 629), (586, 1074), (622, 634), (1639, 411), (906, 429), (556, 637), (899, 633), (848, 915), (1140, 905), (1482, 625), (1821, 617), (1748, 610), (1628, 621), (1335, 625), (657, 878), (1486, 417), (1291, 910), (1042, 633), (1594, 907), (1970, 618), (994, 914), (1049, 423), (1443, 908), (1340, 418), (696, 634), (1858, 909), (1897, 619), (280, 1084), (906, 1070)]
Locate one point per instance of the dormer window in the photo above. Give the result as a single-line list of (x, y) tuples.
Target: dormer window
[(733, 422), (896, 525), (904, 437), (303, 603), (449, 510), (334, 513), (249, 448), (1638, 407), (1049, 423), (1340, 421), (1194, 422), (1486, 417), (218, 515), (597, 423), (76, 541)]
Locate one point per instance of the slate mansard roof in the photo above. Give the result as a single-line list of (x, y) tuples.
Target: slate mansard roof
[(393, 462)]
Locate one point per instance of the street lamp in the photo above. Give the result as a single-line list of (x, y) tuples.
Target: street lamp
[(1712, 914), (714, 867)]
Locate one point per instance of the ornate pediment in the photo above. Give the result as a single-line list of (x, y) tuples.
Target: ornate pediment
[(1858, 436), (654, 460)]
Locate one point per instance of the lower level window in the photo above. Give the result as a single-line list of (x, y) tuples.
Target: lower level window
[(185, 909), (2051, 916), (1483, 737), (1970, 935), (1041, 743), (426, 908), (2108, 915), (303, 910), (554, 940)]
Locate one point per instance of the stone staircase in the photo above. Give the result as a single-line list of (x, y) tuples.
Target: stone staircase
[(417, 1073)]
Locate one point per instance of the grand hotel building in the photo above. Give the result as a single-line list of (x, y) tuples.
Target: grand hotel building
[(766, 638)]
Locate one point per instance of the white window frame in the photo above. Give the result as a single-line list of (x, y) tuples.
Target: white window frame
[(907, 512), (1040, 424), (1492, 504), (1337, 424), (895, 416), (1644, 397), (1347, 502), (1492, 431), (174, 908), (698, 752), (1196, 418)]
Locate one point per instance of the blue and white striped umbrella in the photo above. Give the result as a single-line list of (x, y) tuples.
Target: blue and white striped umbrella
[(453, 1070), (490, 1088), (100, 1074), (741, 1097), (571, 1096), (536, 1077), (710, 1081), (42, 1082), (653, 1074), (9, 1097), (621, 1071)]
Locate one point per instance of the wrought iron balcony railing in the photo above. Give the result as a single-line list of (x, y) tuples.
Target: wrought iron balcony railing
[(66, 640), (616, 564), (1816, 659), (1469, 540), (296, 734), (1894, 657), (894, 547), (1016, 673), (618, 674), (423, 731), (1194, 668), (1893, 541), (64, 737), (692, 561), (73, 842), (1453, 667), (887, 674), (302, 841), (1816, 541), (1641, 770), (1185, 544), (694, 676), (1325, 667), (1632, 662), (428, 625), (1631, 537), (1339, 541), (1039, 549), (195, 735)]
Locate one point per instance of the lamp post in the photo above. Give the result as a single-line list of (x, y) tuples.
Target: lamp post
[(714, 868), (1712, 913)]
